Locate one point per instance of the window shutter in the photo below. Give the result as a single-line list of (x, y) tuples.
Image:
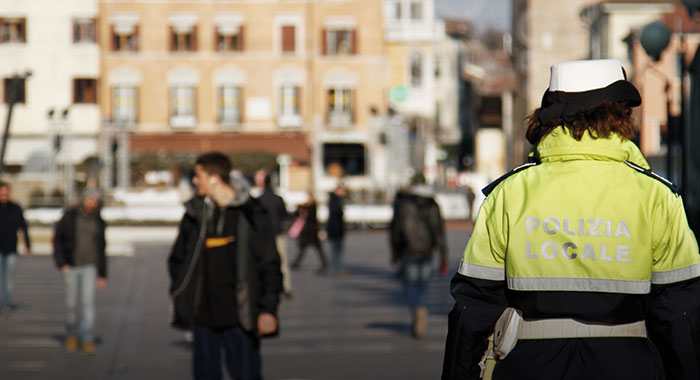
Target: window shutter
[(353, 41), (194, 38), (241, 105), (353, 105), (300, 102), (324, 48), (136, 38), (288, 38), (216, 41), (241, 38), (172, 40), (76, 98)]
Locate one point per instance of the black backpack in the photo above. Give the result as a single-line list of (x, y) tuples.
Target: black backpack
[(414, 225)]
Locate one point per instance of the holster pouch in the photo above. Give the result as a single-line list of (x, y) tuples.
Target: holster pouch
[(505, 334)]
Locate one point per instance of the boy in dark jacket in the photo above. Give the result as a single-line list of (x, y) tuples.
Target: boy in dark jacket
[(225, 273)]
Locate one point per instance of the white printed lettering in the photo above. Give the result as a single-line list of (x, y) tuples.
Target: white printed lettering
[(603, 256), (608, 228), (531, 223), (593, 230), (588, 252), (546, 252), (528, 251), (622, 229), (566, 228), (565, 251), (622, 253), (580, 227), (545, 225)]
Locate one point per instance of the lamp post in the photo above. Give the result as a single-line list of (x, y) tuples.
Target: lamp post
[(13, 93), (654, 39)]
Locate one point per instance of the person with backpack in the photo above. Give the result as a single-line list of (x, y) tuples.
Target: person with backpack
[(416, 231)]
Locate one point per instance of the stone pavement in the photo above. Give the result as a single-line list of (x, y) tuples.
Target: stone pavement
[(332, 329)]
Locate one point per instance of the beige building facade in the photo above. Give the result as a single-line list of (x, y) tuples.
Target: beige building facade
[(292, 78)]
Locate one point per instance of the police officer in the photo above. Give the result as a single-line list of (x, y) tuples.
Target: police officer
[(586, 244)]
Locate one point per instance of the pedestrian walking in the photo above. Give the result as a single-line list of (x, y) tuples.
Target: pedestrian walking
[(12, 221), (277, 211), (308, 236), (79, 253), (335, 228), (225, 273), (581, 264), (417, 230)]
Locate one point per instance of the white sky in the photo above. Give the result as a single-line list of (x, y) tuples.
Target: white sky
[(482, 13)]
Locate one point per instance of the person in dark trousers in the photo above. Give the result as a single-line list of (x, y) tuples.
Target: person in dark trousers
[(335, 228), (309, 234), (416, 231), (276, 209), (79, 253), (11, 222), (584, 255), (225, 274)]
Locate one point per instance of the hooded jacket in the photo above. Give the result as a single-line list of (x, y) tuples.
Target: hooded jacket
[(587, 236), (255, 272)]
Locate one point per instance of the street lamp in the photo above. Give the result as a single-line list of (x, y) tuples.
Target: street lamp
[(654, 39), (13, 92)]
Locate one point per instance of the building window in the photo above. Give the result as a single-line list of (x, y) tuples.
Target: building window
[(288, 39), (416, 69), (230, 105), (183, 40), (229, 40), (13, 30), (290, 99), (125, 40), (339, 41), (84, 90), (416, 10), (395, 9), (124, 105), (19, 96), (182, 103), (350, 157), (84, 30), (340, 108)]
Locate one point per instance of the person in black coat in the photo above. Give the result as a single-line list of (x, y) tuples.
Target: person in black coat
[(309, 234), (335, 228), (12, 221), (225, 274)]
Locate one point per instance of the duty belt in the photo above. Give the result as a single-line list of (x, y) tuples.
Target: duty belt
[(570, 328)]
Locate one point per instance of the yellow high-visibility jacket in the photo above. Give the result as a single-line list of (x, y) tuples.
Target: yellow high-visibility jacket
[(589, 234)]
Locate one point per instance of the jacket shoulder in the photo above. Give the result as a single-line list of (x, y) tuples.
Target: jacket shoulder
[(649, 173), (492, 186)]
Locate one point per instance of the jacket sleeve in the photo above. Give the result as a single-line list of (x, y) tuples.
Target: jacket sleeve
[(59, 254), (479, 292), (25, 230), (267, 262), (178, 254), (478, 304), (438, 226), (673, 325), (395, 238), (102, 253), (673, 320)]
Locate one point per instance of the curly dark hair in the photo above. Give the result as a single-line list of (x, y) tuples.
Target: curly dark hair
[(601, 121)]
